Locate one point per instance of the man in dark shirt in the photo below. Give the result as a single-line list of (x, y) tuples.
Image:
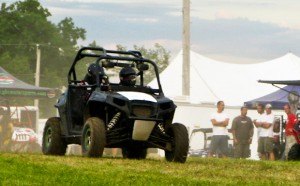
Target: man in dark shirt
[(242, 131)]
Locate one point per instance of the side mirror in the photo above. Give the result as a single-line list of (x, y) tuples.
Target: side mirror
[(108, 64), (142, 67)]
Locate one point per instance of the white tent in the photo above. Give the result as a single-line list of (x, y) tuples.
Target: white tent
[(213, 80)]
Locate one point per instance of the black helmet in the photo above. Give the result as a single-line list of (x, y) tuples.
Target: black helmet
[(94, 71), (127, 76)]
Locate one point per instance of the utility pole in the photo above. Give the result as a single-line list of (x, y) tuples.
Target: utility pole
[(186, 48), (37, 80)]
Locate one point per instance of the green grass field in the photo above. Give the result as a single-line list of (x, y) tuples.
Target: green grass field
[(24, 169)]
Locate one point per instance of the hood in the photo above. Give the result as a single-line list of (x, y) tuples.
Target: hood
[(137, 96)]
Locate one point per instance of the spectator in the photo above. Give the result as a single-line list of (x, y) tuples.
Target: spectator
[(242, 131), (2, 112), (114, 152), (219, 142), (6, 130), (258, 122), (290, 139), (265, 144)]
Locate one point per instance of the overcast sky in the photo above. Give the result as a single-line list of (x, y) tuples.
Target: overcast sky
[(229, 30)]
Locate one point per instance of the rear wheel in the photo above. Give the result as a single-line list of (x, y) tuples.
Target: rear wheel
[(134, 152), (53, 143), (93, 137), (179, 145), (294, 153)]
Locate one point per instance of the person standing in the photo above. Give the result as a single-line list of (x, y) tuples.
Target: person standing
[(219, 142), (258, 123), (290, 139), (2, 112), (242, 131), (265, 145)]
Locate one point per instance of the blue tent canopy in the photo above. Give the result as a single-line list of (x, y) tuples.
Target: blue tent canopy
[(278, 98)]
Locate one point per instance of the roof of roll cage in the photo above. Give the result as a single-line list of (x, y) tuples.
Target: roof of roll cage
[(114, 55)]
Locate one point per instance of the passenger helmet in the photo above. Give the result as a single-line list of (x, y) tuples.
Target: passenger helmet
[(127, 76)]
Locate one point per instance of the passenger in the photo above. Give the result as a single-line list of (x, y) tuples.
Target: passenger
[(219, 141), (290, 139), (242, 131), (127, 76)]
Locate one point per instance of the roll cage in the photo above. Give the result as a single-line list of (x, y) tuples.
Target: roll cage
[(112, 58)]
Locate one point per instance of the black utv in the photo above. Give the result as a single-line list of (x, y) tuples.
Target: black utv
[(98, 113)]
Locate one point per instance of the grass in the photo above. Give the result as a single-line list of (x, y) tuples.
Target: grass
[(25, 169)]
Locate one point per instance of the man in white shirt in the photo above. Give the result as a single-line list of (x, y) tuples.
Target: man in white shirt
[(219, 141), (258, 122), (265, 143)]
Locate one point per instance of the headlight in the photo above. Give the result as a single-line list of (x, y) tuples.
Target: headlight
[(142, 111)]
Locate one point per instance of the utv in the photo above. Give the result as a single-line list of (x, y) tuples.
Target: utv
[(100, 114)]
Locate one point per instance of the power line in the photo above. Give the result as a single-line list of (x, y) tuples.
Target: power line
[(44, 45)]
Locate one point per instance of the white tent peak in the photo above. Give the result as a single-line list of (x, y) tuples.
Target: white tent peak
[(292, 56), (213, 80)]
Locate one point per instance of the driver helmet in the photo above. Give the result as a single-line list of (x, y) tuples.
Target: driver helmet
[(127, 76), (94, 71)]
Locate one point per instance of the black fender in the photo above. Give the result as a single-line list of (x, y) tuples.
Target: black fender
[(61, 105)]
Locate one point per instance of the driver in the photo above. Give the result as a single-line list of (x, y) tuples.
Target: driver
[(127, 76), (95, 71)]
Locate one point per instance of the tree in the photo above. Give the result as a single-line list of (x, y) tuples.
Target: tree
[(69, 33), (24, 24), (157, 54), (93, 44)]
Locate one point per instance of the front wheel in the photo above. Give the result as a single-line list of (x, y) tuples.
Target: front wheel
[(53, 143), (179, 143), (93, 137)]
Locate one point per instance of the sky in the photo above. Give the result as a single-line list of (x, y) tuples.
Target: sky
[(239, 31)]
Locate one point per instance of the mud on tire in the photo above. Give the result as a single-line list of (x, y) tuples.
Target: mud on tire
[(179, 145), (53, 144), (93, 137)]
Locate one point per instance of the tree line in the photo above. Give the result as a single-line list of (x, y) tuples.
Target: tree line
[(23, 24)]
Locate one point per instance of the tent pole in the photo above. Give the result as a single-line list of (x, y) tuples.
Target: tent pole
[(186, 48), (37, 80)]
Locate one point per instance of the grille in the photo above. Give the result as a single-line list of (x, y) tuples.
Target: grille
[(142, 111), (22, 137)]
